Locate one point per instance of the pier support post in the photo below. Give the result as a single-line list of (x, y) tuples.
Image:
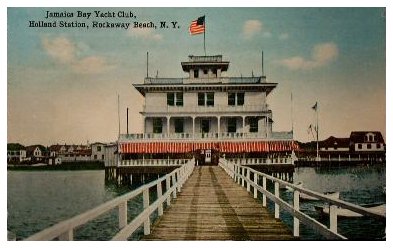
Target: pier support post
[(248, 179), (159, 195), (168, 186), (255, 182), (174, 184), (146, 225), (67, 236), (264, 188), (277, 195), (122, 215), (296, 207), (333, 218)]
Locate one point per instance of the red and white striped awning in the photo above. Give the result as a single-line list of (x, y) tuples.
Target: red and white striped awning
[(224, 146)]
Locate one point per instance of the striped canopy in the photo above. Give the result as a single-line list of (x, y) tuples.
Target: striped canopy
[(224, 146)]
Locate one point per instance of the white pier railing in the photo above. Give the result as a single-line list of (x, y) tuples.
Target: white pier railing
[(154, 162), (173, 181), (260, 161), (242, 175)]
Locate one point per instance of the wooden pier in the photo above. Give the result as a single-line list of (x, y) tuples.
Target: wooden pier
[(211, 206)]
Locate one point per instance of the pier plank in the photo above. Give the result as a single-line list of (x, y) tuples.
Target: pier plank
[(212, 207)]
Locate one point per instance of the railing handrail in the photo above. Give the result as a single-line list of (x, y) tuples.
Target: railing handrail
[(64, 229), (234, 171), (221, 136)]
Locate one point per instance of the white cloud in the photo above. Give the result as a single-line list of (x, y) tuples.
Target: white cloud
[(60, 49), (251, 28), (64, 51), (322, 54), (144, 33), (283, 36)]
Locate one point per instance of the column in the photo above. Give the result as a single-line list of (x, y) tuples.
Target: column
[(168, 118), (218, 126), (244, 124), (193, 127)]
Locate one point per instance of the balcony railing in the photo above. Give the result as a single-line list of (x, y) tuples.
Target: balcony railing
[(224, 80), (263, 108), (204, 136), (215, 58)]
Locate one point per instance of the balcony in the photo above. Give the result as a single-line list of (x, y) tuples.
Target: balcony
[(223, 80), (204, 136), (262, 108)]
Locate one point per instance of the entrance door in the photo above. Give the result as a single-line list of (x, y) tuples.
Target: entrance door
[(208, 156)]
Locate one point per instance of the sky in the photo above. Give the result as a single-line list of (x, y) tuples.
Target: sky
[(63, 83)]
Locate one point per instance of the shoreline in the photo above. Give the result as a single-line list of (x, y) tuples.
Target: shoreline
[(64, 166)]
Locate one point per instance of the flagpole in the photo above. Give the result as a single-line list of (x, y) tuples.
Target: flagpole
[(204, 35), (317, 134)]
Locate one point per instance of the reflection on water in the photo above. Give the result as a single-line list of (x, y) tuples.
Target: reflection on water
[(39, 199)]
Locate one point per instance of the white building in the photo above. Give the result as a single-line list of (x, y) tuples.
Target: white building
[(205, 112), (16, 153), (110, 154), (97, 151)]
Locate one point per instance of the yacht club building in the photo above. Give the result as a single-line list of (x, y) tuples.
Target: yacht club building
[(206, 115)]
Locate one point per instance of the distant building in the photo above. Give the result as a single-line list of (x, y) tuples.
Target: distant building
[(36, 153), (366, 141), (334, 144), (110, 152), (97, 151), (16, 153), (71, 153)]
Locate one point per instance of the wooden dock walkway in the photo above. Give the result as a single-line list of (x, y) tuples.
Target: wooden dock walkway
[(213, 207)]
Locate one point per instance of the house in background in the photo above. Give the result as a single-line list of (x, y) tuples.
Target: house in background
[(97, 152), (36, 153), (366, 141), (16, 153)]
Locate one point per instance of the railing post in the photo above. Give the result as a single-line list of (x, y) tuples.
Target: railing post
[(248, 179), (159, 195), (174, 184), (243, 175), (264, 188), (168, 186), (296, 195), (277, 195), (122, 214), (333, 218), (179, 180), (256, 183), (67, 236), (146, 225)]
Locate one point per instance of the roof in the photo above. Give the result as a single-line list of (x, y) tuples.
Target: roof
[(335, 142), (360, 137), (15, 147)]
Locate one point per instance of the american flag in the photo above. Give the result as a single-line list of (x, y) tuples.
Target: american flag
[(198, 26)]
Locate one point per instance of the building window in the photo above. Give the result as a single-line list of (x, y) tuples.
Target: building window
[(206, 99), (215, 72), (236, 99), (253, 125), (231, 125), (170, 99), (205, 125), (157, 125), (210, 99), (98, 148), (196, 73), (179, 125), (368, 146), (174, 99), (231, 99), (378, 146), (102, 156), (205, 72), (360, 146), (95, 157)]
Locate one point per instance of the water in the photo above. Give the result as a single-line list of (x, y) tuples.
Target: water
[(39, 199)]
